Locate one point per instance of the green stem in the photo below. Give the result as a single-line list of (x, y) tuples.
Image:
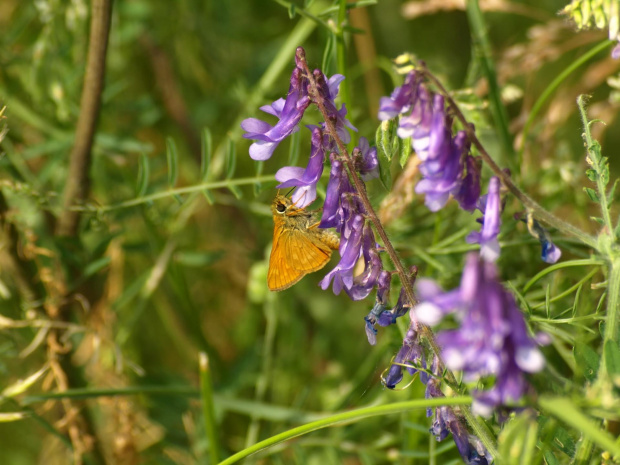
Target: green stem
[(271, 319), (351, 416), (553, 86), (182, 190), (483, 48), (208, 411), (613, 302), (597, 163), (538, 211), (341, 52)]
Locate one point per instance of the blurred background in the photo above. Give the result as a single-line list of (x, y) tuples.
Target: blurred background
[(150, 285)]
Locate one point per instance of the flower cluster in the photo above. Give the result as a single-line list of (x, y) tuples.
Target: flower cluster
[(446, 165), (492, 337), (343, 209)]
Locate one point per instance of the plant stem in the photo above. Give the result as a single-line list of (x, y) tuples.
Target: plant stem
[(483, 49), (360, 188), (539, 212), (78, 179), (206, 395), (595, 160)]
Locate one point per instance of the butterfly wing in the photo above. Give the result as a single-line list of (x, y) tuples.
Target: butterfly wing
[(281, 274), (294, 254), (306, 252)]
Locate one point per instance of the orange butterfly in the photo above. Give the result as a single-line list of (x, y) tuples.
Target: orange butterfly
[(299, 246)]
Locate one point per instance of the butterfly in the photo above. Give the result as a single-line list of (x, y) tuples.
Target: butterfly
[(299, 245)]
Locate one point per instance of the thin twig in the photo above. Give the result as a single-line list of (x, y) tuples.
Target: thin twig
[(78, 179)]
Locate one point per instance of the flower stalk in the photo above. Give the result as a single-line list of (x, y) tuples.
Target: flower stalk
[(425, 332)]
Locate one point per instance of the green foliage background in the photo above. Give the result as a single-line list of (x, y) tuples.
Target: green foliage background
[(154, 284)]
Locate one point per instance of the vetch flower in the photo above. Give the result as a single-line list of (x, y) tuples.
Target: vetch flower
[(305, 180), (443, 172), (446, 166), (411, 353), (364, 283), (289, 113), (350, 250), (328, 90), (468, 191), (487, 237), (365, 159), (550, 252), (492, 338)]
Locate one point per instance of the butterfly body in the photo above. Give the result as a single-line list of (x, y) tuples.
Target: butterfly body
[(299, 246)]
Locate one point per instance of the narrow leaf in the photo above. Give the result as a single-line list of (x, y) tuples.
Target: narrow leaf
[(592, 194), (236, 191), (143, 175), (612, 358), (587, 359), (328, 53), (259, 170), (209, 196), (405, 151), (205, 153), (612, 192), (22, 385), (173, 161), (294, 148), (231, 159)]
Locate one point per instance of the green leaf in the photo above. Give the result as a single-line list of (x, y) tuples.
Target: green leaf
[(566, 411), (598, 220), (611, 352), (587, 359), (517, 441), (592, 194), (384, 161), (143, 175), (198, 259), (612, 192), (231, 159), (294, 148), (235, 190), (206, 151), (209, 196), (173, 161), (328, 53), (259, 170), (405, 151), (592, 175)]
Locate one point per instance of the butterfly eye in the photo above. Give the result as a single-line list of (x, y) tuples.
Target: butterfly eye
[(280, 207)]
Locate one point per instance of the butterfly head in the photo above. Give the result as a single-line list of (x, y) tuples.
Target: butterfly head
[(280, 205)]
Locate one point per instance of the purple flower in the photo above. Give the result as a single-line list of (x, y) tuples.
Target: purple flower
[(350, 250), (446, 167), (615, 53), (365, 159), (328, 90), (305, 180), (410, 353), (379, 313), (445, 174), (289, 113), (550, 252), (368, 279), (487, 237), (492, 338), (401, 99), (468, 190)]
